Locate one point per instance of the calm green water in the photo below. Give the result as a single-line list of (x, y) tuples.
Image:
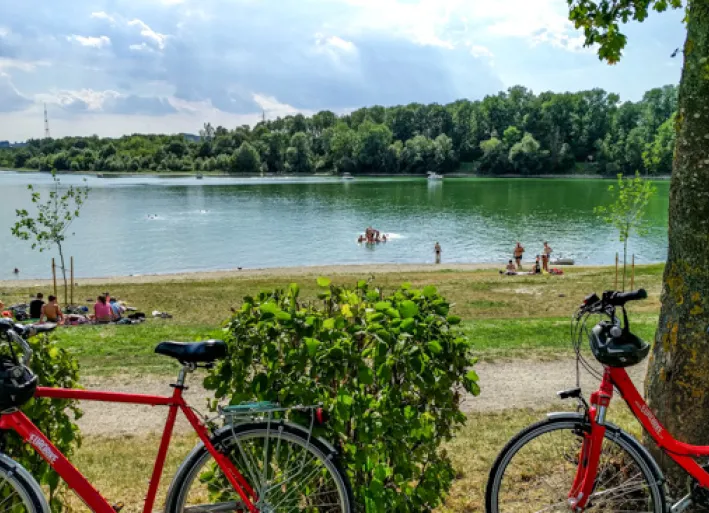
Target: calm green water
[(219, 223)]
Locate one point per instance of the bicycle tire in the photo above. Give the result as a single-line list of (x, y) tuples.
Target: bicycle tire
[(225, 438), (575, 424), (27, 488)]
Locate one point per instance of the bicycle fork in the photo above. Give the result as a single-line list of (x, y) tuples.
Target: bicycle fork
[(592, 446)]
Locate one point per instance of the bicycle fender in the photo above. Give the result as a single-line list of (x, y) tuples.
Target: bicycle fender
[(617, 432), (31, 481)]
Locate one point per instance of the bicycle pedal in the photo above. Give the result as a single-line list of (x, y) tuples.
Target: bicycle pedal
[(118, 506)]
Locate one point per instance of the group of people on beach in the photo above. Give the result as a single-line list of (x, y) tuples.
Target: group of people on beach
[(106, 309), (372, 236), (541, 262), (38, 310)]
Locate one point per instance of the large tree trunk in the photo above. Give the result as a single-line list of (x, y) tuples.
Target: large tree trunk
[(678, 375)]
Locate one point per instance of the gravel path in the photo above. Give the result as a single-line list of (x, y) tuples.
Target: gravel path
[(508, 385)]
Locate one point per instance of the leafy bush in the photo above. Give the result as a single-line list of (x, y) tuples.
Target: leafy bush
[(54, 367), (387, 369)]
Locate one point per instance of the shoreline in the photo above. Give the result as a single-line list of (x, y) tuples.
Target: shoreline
[(305, 270), (316, 270), (109, 175)]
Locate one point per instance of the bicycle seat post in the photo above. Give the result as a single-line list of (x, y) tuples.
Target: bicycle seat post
[(187, 367)]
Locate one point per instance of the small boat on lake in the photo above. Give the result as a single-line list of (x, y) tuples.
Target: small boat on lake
[(347, 176), (199, 176), (562, 261), (434, 176)]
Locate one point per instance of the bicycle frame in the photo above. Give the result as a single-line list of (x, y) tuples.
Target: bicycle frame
[(682, 453), (18, 422)]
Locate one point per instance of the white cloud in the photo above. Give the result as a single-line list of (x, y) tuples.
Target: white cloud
[(4, 31), (84, 99), (100, 15), (7, 63), (148, 33), (341, 44), (449, 23), (142, 47), (481, 51), (94, 42), (273, 108)]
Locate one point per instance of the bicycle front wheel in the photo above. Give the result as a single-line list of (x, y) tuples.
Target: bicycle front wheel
[(536, 470), (289, 472), (19, 492)]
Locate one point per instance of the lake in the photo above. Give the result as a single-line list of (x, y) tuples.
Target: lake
[(163, 225)]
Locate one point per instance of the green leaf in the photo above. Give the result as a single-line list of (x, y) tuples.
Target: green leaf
[(453, 319), (312, 345), (259, 384), (294, 289), (408, 309), (283, 316), (472, 375), (408, 325), (324, 282), (430, 291), (329, 324), (365, 376), (434, 346)]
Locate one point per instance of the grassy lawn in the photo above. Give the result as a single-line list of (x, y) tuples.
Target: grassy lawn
[(506, 317), (522, 316), (472, 451)]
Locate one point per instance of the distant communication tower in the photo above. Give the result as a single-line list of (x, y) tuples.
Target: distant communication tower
[(46, 123)]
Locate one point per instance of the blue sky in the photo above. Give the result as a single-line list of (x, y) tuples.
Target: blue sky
[(112, 67)]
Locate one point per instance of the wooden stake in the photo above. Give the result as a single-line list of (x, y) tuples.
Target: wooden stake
[(71, 287), (632, 274), (615, 287), (54, 276)]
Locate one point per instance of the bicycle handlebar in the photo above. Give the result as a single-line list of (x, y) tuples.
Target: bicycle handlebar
[(620, 298), (18, 332), (610, 300)]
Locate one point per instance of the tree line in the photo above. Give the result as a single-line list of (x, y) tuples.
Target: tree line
[(514, 132)]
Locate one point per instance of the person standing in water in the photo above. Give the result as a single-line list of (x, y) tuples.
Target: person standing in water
[(519, 251), (437, 250), (546, 255)]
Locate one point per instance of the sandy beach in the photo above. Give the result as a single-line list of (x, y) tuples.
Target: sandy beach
[(330, 270)]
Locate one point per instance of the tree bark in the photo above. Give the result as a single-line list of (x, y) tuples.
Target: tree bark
[(678, 374)]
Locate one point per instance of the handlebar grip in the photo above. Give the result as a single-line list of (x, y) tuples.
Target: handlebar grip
[(620, 298)]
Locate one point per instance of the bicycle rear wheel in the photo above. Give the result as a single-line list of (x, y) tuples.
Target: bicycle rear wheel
[(536, 470), (289, 472)]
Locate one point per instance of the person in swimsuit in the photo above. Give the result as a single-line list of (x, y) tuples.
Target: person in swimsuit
[(537, 268), (36, 306), (437, 250), (51, 311), (519, 251), (546, 254), (102, 310), (510, 270)]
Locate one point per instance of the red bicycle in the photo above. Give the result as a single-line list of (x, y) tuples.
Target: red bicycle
[(257, 462), (580, 461)]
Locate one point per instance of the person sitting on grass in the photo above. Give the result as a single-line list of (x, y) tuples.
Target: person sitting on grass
[(537, 269), (510, 270), (102, 310), (116, 309), (51, 311), (36, 306)]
